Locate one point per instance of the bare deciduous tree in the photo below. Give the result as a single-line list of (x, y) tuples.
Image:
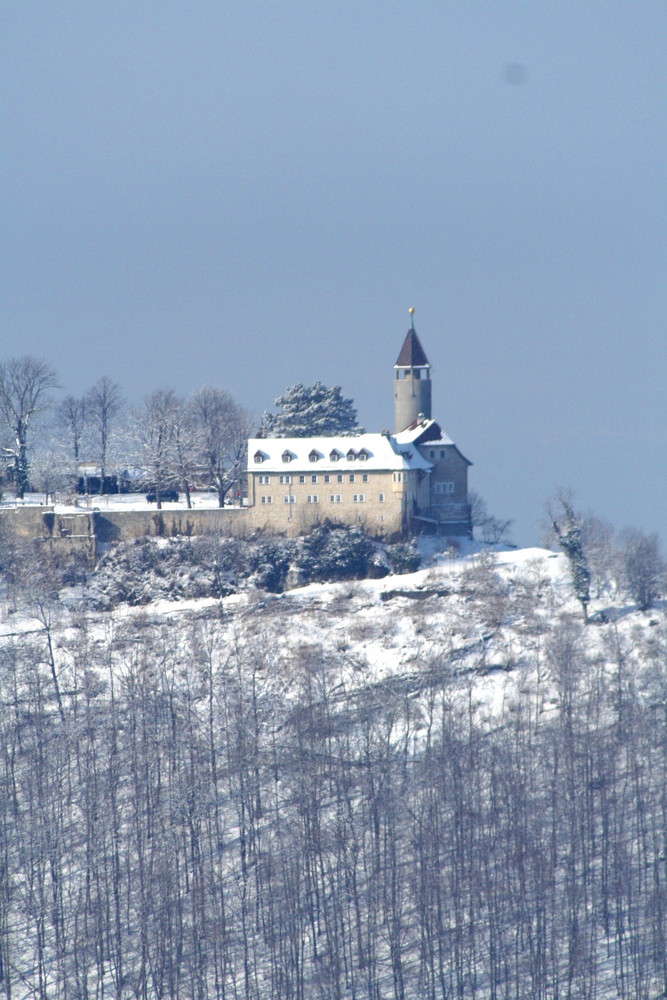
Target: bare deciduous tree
[(24, 393), (154, 428), (71, 416), (224, 428), (103, 403), (644, 567)]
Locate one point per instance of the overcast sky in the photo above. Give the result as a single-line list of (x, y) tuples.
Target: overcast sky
[(251, 194)]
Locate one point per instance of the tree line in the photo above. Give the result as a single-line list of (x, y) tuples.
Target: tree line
[(166, 441)]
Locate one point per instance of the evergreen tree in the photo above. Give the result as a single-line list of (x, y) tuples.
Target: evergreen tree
[(568, 531), (311, 411)]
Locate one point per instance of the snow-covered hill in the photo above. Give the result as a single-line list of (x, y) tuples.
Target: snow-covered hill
[(440, 784)]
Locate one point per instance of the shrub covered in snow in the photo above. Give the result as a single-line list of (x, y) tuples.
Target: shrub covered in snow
[(404, 557), (332, 552)]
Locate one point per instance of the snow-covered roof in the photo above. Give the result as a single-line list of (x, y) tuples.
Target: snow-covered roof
[(381, 452), (418, 430)]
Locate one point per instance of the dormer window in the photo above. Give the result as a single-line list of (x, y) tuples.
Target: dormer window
[(314, 456), (287, 456), (334, 455), (259, 457), (362, 455), (351, 455)]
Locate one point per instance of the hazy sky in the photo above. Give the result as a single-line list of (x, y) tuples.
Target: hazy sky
[(250, 194)]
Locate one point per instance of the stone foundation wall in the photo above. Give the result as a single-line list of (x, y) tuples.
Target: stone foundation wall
[(124, 525)]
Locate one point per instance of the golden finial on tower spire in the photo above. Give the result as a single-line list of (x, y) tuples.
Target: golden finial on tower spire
[(411, 310)]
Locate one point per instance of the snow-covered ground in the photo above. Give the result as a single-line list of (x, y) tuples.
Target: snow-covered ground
[(67, 503), (433, 784)]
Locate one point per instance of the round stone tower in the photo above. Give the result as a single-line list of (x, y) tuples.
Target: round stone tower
[(412, 381)]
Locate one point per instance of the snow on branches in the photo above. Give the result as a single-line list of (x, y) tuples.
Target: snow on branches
[(311, 411)]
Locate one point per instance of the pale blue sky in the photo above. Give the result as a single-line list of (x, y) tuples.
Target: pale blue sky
[(251, 194)]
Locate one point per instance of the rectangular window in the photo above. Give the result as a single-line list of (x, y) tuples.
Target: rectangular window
[(442, 453), (302, 479), (266, 499), (313, 479), (334, 498), (364, 478), (314, 498), (358, 497), (352, 477), (443, 488), (263, 480), (431, 454), (381, 497), (285, 480), (339, 478), (288, 498), (326, 478)]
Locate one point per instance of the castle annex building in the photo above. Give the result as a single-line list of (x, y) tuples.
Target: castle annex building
[(415, 479)]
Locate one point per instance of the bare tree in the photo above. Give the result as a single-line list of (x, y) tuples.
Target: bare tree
[(154, 427), (24, 393), (71, 416), (493, 530), (49, 472), (644, 567), (186, 442), (103, 403), (224, 428)]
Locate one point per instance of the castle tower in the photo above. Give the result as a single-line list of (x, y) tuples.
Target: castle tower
[(412, 381)]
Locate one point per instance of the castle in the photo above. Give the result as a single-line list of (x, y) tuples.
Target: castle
[(415, 479)]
